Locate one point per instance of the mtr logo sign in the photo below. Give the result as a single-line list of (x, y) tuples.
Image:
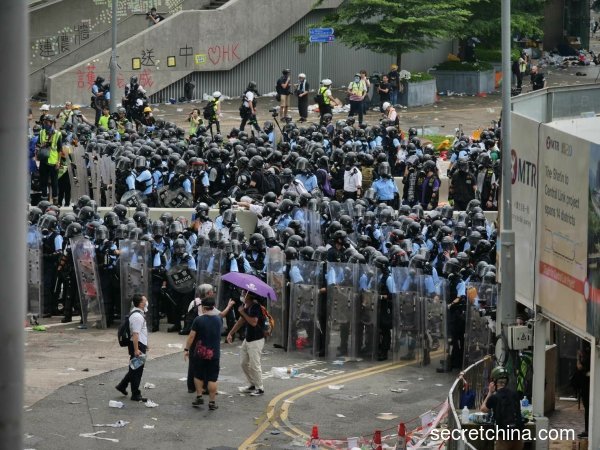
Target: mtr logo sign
[(523, 171)]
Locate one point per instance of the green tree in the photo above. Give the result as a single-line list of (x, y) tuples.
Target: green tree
[(526, 20), (395, 27)]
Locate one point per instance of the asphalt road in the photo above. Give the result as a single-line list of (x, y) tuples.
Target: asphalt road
[(282, 418)]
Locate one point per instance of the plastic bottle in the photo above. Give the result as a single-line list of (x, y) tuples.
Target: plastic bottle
[(137, 362), (115, 404), (465, 415), (525, 402), (284, 372)]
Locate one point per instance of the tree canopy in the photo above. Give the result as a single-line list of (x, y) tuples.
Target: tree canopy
[(396, 27)]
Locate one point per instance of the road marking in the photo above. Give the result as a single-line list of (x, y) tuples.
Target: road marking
[(270, 413), (351, 377)]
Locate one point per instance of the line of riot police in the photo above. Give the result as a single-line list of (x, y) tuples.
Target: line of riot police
[(355, 278)]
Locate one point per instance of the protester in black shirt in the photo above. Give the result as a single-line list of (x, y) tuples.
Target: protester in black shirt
[(538, 81), (384, 90), (205, 341), (153, 17), (252, 316)]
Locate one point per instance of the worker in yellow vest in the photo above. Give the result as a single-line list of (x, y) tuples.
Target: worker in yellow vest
[(47, 154)]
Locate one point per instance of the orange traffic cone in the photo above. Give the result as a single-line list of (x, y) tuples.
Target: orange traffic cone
[(377, 440)]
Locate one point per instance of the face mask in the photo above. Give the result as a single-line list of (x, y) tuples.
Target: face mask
[(47, 127), (356, 79), (146, 307)]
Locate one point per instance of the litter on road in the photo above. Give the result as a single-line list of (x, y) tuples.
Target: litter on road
[(95, 436), (117, 424), (151, 404), (115, 404), (336, 387), (149, 386)]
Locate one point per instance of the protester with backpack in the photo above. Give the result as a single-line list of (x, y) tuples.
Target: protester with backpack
[(134, 333), (505, 406), (251, 315)]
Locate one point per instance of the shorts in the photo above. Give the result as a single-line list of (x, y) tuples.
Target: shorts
[(206, 370), (285, 101)]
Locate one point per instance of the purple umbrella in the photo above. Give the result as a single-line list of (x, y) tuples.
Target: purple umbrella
[(250, 283)]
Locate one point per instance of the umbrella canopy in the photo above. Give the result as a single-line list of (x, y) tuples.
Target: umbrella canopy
[(250, 283)]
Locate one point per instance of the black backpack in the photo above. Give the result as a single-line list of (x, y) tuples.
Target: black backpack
[(507, 410), (209, 110), (124, 333), (271, 183)]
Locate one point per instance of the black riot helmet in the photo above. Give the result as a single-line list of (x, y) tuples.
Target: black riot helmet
[(381, 263), (229, 217), (120, 211), (158, 229), (257, 242), (202, 210), (452, 266), (47, 223), (224, 205), (101, 234), (73, 229), (179, 247), (111, 220), (175, 229), (34, 215), (166, 218)]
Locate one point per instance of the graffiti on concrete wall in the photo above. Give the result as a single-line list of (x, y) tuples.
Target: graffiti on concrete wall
[(147, 61), (70, 37)]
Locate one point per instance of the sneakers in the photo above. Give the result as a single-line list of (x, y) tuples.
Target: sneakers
[(198, 402), (139, 398), (212, 406), (247, 389), (257, 392)]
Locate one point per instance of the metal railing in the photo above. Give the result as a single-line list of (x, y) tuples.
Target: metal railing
[(474, 378)]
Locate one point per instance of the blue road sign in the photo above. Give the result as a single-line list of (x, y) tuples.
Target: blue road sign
[(321, 38), (320, 31)]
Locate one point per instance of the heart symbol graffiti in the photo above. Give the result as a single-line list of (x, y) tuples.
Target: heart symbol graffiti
[(214, 54)]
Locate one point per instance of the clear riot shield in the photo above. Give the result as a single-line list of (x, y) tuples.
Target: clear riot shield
[(477, 330), (305, 329), (88, 282), (434, 318), (174, 198), (135, 263), (342, 295), (277, 308), (312, 226), (78, 173), (35, 291), (406, 334), (95, 177), (365, 313), (109, 178), (210, 269)]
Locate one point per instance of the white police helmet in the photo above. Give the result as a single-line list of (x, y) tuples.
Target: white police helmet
[(216, 94), (326, 82), (385, 105)]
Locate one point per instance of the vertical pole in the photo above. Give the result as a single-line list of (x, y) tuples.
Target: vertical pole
[(594, 409), (320, 61), (540, 330), (506, 308), (113, 60), (13, 112)]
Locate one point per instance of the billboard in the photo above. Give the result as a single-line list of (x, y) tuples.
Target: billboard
[(563, 226), (593, 247), (525, 182)]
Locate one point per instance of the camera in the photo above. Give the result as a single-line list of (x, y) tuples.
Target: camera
[(274, 112)]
